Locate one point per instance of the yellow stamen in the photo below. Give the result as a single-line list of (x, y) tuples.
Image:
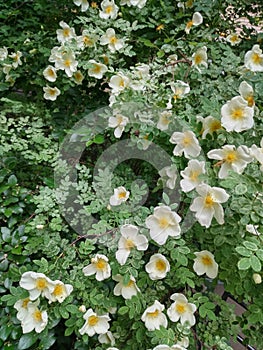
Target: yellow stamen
[(160, 27), (231, 156), (180, 308), (215, 125), (100, 264), (37, 315), (108, 9), (41, 283), (25, 303), (113, 40), (129, 244), (58, 290), (93, 320), (187, 141), (122, 195), (160, 265), (153, 314), (66, 32), (206, 260), (237, 113), (256, 58), (194, 175), (209, 201), (198, 59), (250, 101), (163, 222)]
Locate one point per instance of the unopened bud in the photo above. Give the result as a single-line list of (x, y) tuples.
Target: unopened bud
[(257, 278), (82, 308), (40, 227)]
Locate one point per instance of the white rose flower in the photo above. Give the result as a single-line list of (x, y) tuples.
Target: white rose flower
[(37, 284), (67, 63), (22, 307), (237, 115), (205, 263), (191, 175), (254, 59), (257, 153), (118, 122), (164, 120), (16, 56), (118, 83), (51, 93), (153, 317), (169, 175), (60, 293), (34, 320), (129, 240), (125, 290), (83, 3), (187, 143), (110, 39), (246, 91), (231, 158), (94, 324), (97, 69), (209, 125), (163, 223), (120, 195), (99, 266), (199, 58), (157, 267), (50, 73), (66, 33), (181, 309), (109, 9), (208, 204), (179, 89), (197, 19), (107, 338), (233, 39)]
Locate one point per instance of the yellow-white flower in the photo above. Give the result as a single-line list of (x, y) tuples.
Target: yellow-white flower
[(118, 122), (129, 240), (186, 142), (51, 93), (165, 119), (191, 175), (179, 89), (139, 3), (119, 196), (97, 69), (257, 153), (109, 9), (208, 204), (246, 91), (169, 175), (254, 59), (107, 338), (3, 53), (78, 77), (167, 347), (94, 324), (66, 33), (35, 319), (16, 56), (83, 3), (157, 267), (153, 316), (252, 229), (257, 278), (233, 39), (118, 83), (86, 39), (181, 309), (125, 290), (231, 158), (197, 19), (67, 63), (22, 307), (60, 293), (205, 263), (37, 284), (99, 266), (199, 58), (110, 39), (50, 73), (237, 115), (163, 223), (209, 125)]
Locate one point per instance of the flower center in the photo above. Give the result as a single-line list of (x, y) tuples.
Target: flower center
[(100, 264), (186, 141), (153, 314), (41, 283), (37, 315), (122, 195), (209, 201), (163, 222), (198, 59), (215, 125), (234, 38), (130, 284), (87, 41), (206, 260), (96, 69), (250, 100), (67, 62), (122, 84), (180, 308), (108, 9), (51, 73), (189, 24), (113, 40), (25, 303), (93, 320), (256, 58), (129, 244), (165, 119), (160, 265), (231, 156), (66, 32), (58, 290), (194, 175), (238, 113)]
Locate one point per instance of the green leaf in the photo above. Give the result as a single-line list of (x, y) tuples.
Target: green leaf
[(123, 310), (5, 330), (255, 263), (244, 264), (260, 254), (27, 340), (12, 180), (73, 309), (243, 251), (250, 245), (99, 139)]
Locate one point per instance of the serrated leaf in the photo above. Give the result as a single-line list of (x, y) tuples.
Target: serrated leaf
[(244, 264), (255, 263)]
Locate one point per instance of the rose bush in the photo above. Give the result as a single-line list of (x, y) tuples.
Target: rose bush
[(131, 174)]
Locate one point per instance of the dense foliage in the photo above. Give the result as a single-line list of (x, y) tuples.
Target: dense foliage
[(131, 163)]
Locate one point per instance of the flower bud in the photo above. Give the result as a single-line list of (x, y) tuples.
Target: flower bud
[(82, 308), (257, 278)]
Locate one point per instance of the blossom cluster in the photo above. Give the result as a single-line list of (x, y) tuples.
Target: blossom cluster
[(38, 284)]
